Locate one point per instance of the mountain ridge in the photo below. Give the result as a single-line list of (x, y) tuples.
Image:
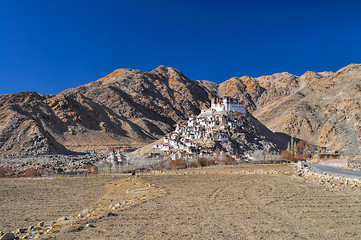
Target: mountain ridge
[(131, 108)]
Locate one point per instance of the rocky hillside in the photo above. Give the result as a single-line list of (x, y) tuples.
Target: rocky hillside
[(326, 111), (130, 108), (264, 89), (22, 117), (126, 108)]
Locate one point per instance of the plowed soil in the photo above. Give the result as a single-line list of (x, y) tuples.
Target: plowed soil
[(223, 203), (27, 201)]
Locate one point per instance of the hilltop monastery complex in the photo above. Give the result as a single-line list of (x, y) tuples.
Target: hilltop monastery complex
[(213, 124)]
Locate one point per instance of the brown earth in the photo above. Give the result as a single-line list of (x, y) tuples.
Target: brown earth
[(27, 201), (219, 203)]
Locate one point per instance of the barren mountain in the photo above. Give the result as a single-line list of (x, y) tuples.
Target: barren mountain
[(261, 90), (326, 112), (21, 130), (126, 107), (130, 108)]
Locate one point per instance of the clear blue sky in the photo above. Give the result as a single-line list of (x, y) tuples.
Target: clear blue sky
[(48, 46)]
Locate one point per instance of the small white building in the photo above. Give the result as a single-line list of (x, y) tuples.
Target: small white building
[(198, 134), (239, 123), (173, 143), (190, 144), (173, 136), (189, 150), (120, 158), (178, 129), (211, 124), (223, 137), (209, 130), (191, 122), (164, 147), (203, 123), (208, 111), (232, 125), (112, 158)]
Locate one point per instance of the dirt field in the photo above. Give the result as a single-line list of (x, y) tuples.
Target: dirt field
[(219, 203), (26, 201)]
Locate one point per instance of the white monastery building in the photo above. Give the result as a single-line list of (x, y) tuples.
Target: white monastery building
[(212, 124), (225, 104)]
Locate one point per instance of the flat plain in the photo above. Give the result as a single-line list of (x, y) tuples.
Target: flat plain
[(223, 202), (27, 201)]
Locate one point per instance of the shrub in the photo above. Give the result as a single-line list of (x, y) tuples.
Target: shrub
[(10, 172), (227, 160), (304, 150), (160, 166), (2, 172), (203, 162), (31, 172), (286, 155), (178, 163), (90, 169), (44, 171), (230, 163), (193, 164), (211, 162)]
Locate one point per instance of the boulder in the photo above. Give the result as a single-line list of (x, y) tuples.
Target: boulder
[(89, 225), (20, 230), (8, 236), (111, 214)]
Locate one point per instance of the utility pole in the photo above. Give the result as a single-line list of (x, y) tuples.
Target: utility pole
[(153, 161)]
